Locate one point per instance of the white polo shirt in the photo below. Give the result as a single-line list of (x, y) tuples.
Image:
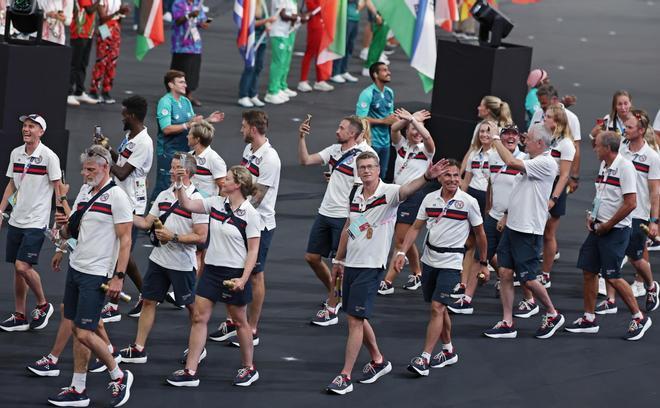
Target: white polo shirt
[(647, 167), (479, 168), (528, 210), (611, 185), (265, 166), (210, 167), (573, 121), (562, 149), (615, 125), (179, 257), (502, 180), (448, 224), (343, 176), (378, 212), (281, 28), (226, 246), (33, 178), (97, 250), (656, 122), (412, 161), (138, 152)]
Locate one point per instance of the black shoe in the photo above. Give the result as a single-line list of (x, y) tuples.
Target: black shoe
[(44, 367), (98, 366), (70, 397), (132, 355), (246, 376), (107, 98), (120, 389), (40, 316), (226, 330), (183, 378), (340, 385), (372, 371)]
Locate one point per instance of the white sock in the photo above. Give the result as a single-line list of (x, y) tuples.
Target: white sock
[(552, 314), (52, 358), (638, 315), (426, 356), (530, 301), (116, 373), (448, 347), (79, 381), (111, 349), (332, 309), (467, 298), (590, 316)]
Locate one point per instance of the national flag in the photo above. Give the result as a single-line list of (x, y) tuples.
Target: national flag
[(333, 42), (412, 22), (244, 19), (446, 12), (150, 29)]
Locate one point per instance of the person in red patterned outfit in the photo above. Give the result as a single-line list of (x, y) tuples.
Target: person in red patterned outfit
[(315, 28)]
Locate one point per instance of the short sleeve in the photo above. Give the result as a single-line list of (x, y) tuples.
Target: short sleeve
[(539, 167), (199, 218), (326, 154), (364, 102), (421, 213), (474, 213), (218, 168), (269, 171), (574, 125), (78, 199), (10, 166), (140, 155), (253, 228), (155, 211), (538, 115), (54, 170), (468, 168), (567, 150), (122, 208), (208, 203), (628, 178), (654, 166), (164, 109)]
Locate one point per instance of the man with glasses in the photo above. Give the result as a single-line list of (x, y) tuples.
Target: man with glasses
[(362, 257), (34, 174)]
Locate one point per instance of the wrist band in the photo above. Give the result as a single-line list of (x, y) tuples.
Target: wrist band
[(575, 178), (57, 249), (400, 253), (337, 262), (653, 219)]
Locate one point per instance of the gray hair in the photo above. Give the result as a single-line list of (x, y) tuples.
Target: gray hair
[(610, 140), (190, 163), (96, 153), (539, 132), (367, 155)]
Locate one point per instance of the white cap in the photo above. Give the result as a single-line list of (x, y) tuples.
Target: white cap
[(34, 118)]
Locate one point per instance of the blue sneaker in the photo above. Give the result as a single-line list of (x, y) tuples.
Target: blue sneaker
[(461, 306), (419, 365), (183, 378), (40, 316), (549, 325), (131, 354), (637, 328), (70, 397), (652, 301), (340, 385), (372, 371), (443, 359), (120, 389), (582, 325), (502, 330), (15, 322), (246, 376), (44, 367)]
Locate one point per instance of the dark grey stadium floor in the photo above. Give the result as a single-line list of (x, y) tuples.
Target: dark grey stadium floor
[(590, 48)]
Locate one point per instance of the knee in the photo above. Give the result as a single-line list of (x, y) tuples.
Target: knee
[(148, 304), (199, 317), (22, 268), (437, 310), (82, 335), (355, 322), (312, 259), (506, 274)]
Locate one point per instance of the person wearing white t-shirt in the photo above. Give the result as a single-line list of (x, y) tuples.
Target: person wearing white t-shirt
[(647, 171), (172, 261), (361, 258), (331, 217), (234, 230), (414, 153), (522, 238), (656, 127), (105, 215), (609, 224), (477, 171), (449, 215), (34, 174)]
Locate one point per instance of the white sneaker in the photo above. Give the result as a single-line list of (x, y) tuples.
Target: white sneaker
[(602, 289), (364, 53), (274, 99), (383, 58), (365, 72), (167, 17), (72, 101), (283, 96), (338, 79), (323, 86), (256, 101), (638, 289), (87, 99), (246, 102), (350, 78), (304, 86), (290, 93)]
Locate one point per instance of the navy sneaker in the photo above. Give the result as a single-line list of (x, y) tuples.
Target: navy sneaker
[(325, 317), (443, 359), (183, 378), (461, 306), (15, 322), (637, 328), (414, 282), (184, 358), (544, 278), (246, 376), (226, 330), (120, 389), (137, 309), (502, 330), (40, 316), (458, 291), (70, 397), (385, 288), (110, 313), (255, 341), (44, 367), (131, 354), (582, 325), (98, 366), (340, 385), (549, 325), (652, 301), (526, 309), (372, 371), (606, 306), (419, 365)]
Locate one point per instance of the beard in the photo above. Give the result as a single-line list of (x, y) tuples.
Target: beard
[(95, 181), (127, 126)]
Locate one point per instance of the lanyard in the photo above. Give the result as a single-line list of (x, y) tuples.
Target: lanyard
[(26, 168), (123, 144), (409, 156)]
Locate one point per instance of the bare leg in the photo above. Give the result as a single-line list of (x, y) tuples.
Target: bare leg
[(198, 330), (81, 356), (353, 343), (643, 268), (243, 332), (93, 342), (26, 277), (369, 341), (64, 332), (321, 270), (146, 322), (590, 291), (258, 296), (541, 294), (506, 294), (550, 243), (625, 291), (435, 326)]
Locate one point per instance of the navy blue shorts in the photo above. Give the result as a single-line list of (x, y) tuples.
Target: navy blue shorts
[(438, 283), (603, 254), (407, 212), (324, 236), (359, 289), (637, 242), (520, 252), (480, 196), (264, 245), (83, 298), (559, 208), (210, 286), (24, 244), (493, 237), (158, 279)]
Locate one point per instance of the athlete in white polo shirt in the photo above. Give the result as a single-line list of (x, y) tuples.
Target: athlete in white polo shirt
[(647, 170), (449, 214), (34, 174), (522, 238), (363, 249), (331, 217), (609, 224), (172, 261), (104, 216)]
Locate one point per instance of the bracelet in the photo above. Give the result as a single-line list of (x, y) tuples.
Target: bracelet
[(58, 249), (653, 219), (483, 263), (337, 262), (427, 179), (575, 178), (400, 253), (178, 186)]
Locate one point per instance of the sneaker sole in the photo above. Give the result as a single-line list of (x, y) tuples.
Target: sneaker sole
[(553, 330), (224, 337), (22, 328), (653, 308), (45, 322), (449, 362), (51, 373), (528, 314), (461, 311), (83, 403), (254, 378), (414, 370), (512, 335), (255, 343), (112, 319), (641, 334), (381, 373), (613, 310), (414, 287), (386, 292), (341, 392), (134, 314), (589, 330), (134, 360), (127, 395), (326, 323)]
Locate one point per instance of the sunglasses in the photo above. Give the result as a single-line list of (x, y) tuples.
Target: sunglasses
[(92, 153)]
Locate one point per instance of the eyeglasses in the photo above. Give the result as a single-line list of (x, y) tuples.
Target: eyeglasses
[(369, 167), (92, 153)]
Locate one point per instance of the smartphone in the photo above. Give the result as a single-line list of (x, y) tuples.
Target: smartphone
[(308, 119), (97, 132)]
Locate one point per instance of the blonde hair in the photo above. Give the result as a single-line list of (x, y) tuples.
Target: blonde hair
[(366, 130), (243, 178), (498, 110), (203, 131), (476, 144), (561, 120)]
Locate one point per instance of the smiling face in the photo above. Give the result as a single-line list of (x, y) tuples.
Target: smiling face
[(412, 134), (31, 132), (178, 85), (230, 185), (485, 136), (450, 180), (510, 140), (383, 74), (482, 110)]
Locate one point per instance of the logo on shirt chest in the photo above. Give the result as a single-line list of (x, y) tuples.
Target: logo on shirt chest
[(240, 212), (459, 204), (39, 159), (104, 197), (642, 158), (201, 161), (130, 145)]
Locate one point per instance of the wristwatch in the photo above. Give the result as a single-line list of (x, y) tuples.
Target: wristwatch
[(575, 178), (554, 198), (120, 275), (653, 219), (175, 238), (483, 263)]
